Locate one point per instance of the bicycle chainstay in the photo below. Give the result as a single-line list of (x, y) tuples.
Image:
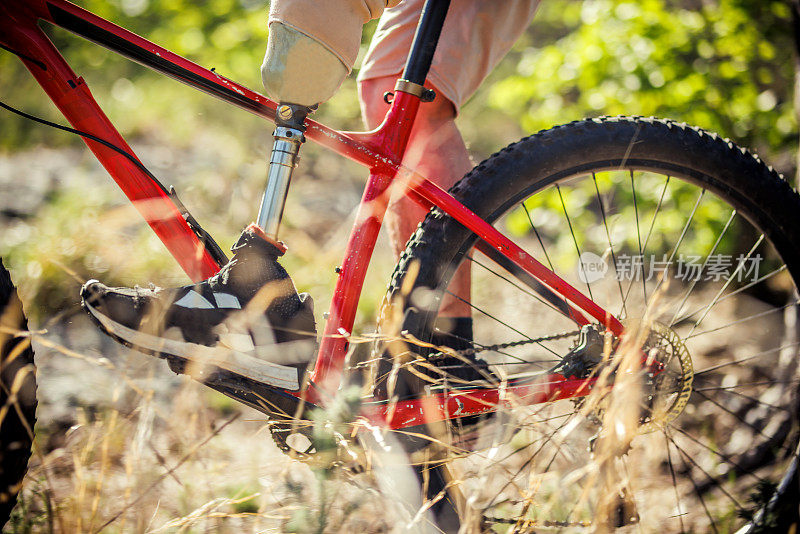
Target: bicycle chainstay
[(280, 430), (531, 524)]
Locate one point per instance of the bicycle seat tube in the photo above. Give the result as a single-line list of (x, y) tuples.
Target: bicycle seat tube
[(283, 159)]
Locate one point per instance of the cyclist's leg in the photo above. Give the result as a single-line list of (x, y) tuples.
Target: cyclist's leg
[(435, 150), (475, 36)]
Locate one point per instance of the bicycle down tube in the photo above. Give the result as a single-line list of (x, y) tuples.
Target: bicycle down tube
[(380, 150)]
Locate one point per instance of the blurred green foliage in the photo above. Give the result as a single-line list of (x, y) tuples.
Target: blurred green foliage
[(724, 65)]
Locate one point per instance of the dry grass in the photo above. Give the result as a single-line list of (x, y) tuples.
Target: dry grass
[(123, 445), (180, 460), (158, 453)]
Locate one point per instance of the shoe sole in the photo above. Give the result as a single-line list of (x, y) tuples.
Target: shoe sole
[(206, 358)]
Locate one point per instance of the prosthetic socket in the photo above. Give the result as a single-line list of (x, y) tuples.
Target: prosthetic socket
[(313, 45)]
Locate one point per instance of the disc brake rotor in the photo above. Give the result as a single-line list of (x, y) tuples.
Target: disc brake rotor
[(669, 386), (667, 383)]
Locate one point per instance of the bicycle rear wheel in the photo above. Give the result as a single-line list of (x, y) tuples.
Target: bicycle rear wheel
[(679, 233)]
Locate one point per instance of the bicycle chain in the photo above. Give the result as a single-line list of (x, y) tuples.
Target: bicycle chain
[(471, 352)]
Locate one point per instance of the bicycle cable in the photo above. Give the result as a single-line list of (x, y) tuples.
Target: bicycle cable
[(92, 137), (133, 159), (208, 242)]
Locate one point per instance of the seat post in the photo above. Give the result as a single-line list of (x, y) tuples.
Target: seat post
[(426, 38)]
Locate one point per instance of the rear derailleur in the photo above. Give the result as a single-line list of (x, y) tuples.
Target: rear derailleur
[(582, 360)]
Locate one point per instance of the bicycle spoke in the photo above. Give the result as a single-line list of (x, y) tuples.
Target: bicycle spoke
[(745, 319), (610, 245), (743, 360), (558, 302), (547, 469), (740, 419), (683, 457), (538, 237), (755, 400), (535, 426), (717, 453), (680, 239), (643, 246), (725, 286), (711, 479), (529, 293), (702, 268), (638, 238), (780, 269), (674, 482), (749, 385), (501, 322), (575, 241), (529, 460), (655, 214)]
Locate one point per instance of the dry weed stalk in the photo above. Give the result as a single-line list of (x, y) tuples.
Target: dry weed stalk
[(619, 396)]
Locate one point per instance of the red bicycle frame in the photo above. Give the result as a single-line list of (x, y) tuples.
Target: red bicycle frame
[(381, 151)]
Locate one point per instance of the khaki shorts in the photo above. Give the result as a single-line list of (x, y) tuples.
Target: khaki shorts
[(475, 37)]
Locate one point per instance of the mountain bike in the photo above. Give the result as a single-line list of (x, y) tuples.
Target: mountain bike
[(630, 282)]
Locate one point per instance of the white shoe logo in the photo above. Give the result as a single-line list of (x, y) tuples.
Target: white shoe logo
[(225, 300), (193, 299)]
